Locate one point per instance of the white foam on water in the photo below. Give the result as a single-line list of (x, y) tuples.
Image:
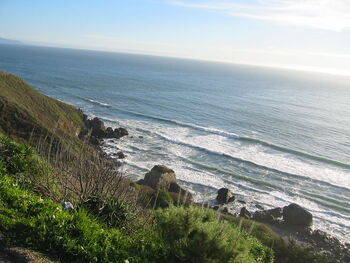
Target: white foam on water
[(163, 144)]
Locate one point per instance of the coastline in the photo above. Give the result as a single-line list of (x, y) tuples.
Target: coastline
[(305, 237)]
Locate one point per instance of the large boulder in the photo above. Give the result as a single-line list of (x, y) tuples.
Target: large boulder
[(120, 132), (224, 196), (296, 215), (97, 128), (160, 177)]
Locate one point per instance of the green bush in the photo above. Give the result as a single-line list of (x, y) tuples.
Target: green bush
[(29, 221), (195, 235), (15, 158), (114, 212)]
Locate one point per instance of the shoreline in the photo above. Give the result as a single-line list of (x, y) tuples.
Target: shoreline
[(317, 239)]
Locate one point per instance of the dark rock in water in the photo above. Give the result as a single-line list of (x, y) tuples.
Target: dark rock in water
[(259, 207), (97, 128), (160, 177), (109, 133), (269, 216), (99, 131), (120, 132), (295, 215), (120, 155), (225, 210), (224, 196), (245, 213), (241, 201), (141, 137)]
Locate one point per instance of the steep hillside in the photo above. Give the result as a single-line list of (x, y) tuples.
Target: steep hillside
[(27, 114)]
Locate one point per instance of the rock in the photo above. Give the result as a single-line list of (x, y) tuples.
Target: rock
[(120, 155), (259, 207), (68, 206), (109, 133), (296, 215), (97, 127), (224, 196), (120, 132), (269, 216), (225, 210), (94, 141), (245, 213), (141, 137), (175, 188), (160, 177)]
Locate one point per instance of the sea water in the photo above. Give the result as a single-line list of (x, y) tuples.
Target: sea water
[(271, 136)]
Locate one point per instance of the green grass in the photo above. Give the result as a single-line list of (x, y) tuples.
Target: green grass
[(174, 234), (26, 114)]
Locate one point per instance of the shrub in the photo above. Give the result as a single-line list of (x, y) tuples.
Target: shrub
[(114, 212), (29, 221), (15, 158), (195, 235)]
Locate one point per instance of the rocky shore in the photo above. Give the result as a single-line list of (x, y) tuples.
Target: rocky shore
[(292, 223)]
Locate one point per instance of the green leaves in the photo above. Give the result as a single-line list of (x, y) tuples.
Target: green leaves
[(195, 235)]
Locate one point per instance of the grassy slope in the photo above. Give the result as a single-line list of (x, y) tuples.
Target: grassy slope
[(24, 112)]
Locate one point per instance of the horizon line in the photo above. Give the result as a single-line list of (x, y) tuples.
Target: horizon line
[(145, 53)]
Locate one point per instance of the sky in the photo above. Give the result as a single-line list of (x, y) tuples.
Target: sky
[(300, 34)]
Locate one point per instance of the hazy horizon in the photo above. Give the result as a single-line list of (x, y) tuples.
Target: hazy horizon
[(294, 69), (306, 35)]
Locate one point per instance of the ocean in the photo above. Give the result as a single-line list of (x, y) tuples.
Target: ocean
[(272, 136)]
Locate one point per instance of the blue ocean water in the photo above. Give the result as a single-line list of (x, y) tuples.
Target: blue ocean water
[(272, 136)]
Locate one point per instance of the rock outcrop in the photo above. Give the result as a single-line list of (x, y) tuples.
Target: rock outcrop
[(163, 178), (269, 216), (245, 213), (296, 215), (224, 196), (96, 130), (160, 177)]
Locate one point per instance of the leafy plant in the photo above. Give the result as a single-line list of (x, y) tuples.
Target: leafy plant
[(195, 235)]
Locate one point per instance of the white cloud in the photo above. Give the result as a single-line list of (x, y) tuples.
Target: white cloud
[(331, 15)]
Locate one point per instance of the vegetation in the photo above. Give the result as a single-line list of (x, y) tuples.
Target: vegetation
[(29, 116), (114, 220), (194, 234), (99, 230)]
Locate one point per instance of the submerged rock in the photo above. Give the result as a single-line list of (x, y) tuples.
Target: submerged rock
[(225, 196), (296, 215), (120, 155)]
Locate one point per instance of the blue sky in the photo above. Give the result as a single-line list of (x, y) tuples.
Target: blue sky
[(303, 34)]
